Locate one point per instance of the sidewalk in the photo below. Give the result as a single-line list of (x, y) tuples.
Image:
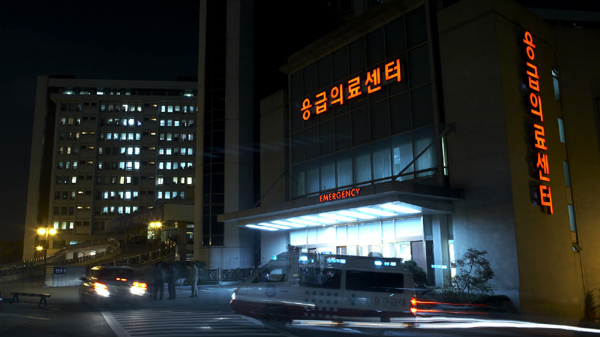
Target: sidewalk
[(211, 297)]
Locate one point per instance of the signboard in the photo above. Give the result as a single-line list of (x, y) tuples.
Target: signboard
[(353, 192), (534, 102), (355, 87)]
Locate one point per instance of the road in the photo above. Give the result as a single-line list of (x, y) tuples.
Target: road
[(209, 315)]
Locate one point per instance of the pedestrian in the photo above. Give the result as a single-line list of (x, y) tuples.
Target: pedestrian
[(193, 278), (158, 281), (172, 278)]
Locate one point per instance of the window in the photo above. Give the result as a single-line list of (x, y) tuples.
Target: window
[(316, 278), (555, 83), (561, 130), (374, 281)]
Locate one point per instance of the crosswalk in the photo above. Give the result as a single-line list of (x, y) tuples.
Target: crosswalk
[(156, 323)]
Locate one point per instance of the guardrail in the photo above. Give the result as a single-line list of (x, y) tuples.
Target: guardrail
[(141, 259), (114, 245), (229, 275), (23, 267)]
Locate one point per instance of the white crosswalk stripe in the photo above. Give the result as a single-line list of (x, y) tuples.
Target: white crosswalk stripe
[(155, 323)]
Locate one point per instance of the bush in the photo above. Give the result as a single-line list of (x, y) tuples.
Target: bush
[(419, 275), (473, 277)]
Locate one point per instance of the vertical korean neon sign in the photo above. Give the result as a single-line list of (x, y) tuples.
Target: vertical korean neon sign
[(539, 137)]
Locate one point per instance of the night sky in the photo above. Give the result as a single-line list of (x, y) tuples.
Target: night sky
[(123, 40), (87, 39)]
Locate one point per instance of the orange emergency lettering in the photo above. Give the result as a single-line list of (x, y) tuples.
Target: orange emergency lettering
[(536, 103), (392, 70), (530, 46), (337, 93), (540, 141), (321, 105), (546, 197), (306, 105), (373, 81), (542, 166), (354, 87)]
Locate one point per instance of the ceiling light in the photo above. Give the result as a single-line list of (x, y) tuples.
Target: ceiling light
[(375, 211), (398, 208)]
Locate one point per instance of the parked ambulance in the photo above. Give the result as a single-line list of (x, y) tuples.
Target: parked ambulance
[(296, 285)]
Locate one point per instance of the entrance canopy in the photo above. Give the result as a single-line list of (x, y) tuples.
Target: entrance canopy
[(373, 202)]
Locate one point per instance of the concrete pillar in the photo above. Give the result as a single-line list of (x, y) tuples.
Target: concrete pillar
[(441, 252)]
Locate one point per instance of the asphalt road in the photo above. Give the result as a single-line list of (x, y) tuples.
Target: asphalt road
[(210, 315)]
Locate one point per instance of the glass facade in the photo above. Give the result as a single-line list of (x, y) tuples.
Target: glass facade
[(390, 238), (370, 126)]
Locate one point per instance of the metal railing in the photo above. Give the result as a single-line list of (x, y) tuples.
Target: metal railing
[(229, 275), (141, 259), (28, 266)]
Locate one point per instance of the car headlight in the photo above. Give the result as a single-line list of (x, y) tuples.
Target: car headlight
[(138, 288), (101, 289)]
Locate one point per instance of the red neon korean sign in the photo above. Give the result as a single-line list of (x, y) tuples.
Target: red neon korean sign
[(355, 87), (539, 137), (353, 192)]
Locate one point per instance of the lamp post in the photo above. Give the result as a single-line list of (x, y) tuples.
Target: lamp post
[(45, 231), (155, 227)]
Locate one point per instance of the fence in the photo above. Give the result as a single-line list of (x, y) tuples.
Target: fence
[(229, 275), (140, 259), (29, 266)]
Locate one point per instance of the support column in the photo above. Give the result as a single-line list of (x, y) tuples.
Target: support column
[(441, 252)]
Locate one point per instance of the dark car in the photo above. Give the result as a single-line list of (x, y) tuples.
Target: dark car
[(112, 285)]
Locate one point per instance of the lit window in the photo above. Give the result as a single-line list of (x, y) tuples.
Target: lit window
[(561, 130), (74, 180), (162, 122), (556, 84), (168, 165), (167, 195), (160, 180), (190, 151), (170, 108), (189, 180), (130, 136), (183, 151), (169, 151)]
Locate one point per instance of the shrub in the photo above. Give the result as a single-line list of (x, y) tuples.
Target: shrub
[(474, 275), (419, 275)]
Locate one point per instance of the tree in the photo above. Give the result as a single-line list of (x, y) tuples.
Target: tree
[(419, 275), (474, 275)]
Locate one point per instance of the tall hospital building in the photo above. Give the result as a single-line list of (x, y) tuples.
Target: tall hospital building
[(408, 128), (105, 149)]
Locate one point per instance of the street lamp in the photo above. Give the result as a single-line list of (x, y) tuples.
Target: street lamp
[(155, 227), (45, 231)]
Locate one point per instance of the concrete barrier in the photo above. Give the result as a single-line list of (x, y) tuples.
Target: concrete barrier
[(64, 276)]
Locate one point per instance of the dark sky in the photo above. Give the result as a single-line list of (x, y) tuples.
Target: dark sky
[(88, 39), (126, 40)]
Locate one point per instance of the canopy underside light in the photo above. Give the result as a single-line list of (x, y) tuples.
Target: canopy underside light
[(373, 212)]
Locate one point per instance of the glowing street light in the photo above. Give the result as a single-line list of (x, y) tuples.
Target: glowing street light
[(45, 231), (155, 227)]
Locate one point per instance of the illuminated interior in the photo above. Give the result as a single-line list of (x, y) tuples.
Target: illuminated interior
[(373, 212)]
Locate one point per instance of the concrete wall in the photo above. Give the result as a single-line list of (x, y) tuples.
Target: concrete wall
[(273, 148), (67, 276), (577, 62), (273, 243), (490, 155)]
